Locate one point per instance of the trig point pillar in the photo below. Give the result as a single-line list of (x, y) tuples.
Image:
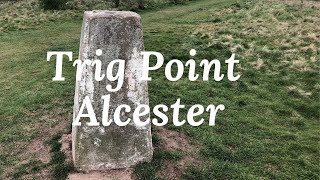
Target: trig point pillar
[(119, 35)]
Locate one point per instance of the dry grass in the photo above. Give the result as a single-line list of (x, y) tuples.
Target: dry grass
[(24, 14), (289, 30), (305, 3)]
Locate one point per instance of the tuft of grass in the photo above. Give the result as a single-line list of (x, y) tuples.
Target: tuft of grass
[(60, 168), (33, 166), (61, 171)]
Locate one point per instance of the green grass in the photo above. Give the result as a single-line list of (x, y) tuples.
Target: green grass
[(269, 129), (28, 95), (58, 162)]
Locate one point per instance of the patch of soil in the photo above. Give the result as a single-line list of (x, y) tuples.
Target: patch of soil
[(37, 149), (176, 141), (38, 146), (169, 171), (43, 174), (66, 146), (119, 174), (187, 161), (173, 140), (41, 151)]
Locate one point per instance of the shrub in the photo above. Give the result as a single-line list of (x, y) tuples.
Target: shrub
[(53, 4)]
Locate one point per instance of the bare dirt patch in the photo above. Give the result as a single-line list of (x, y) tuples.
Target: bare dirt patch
[(173, 140), (170, 171), (41, 151), (123, 174), (38, 146), (66, 146), (37, 149), (176, 141)]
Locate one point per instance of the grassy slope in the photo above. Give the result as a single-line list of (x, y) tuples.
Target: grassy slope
[(267, 130), (32, 104)]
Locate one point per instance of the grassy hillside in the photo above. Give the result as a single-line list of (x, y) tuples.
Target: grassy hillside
[(269, 129)]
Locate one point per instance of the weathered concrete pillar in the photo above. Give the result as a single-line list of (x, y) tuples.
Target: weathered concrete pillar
[(119, 36)]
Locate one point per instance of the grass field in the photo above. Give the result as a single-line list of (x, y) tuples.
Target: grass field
[(269, 129)]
